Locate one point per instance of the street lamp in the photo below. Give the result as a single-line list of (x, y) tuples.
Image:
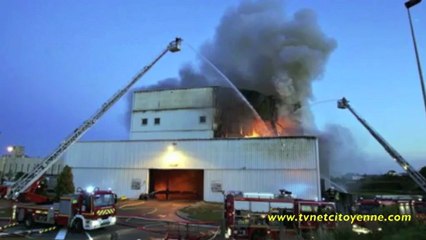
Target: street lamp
[(408, 5), (9, 149)]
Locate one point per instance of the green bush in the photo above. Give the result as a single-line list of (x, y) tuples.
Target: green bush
[(18, 175), (65, 183)]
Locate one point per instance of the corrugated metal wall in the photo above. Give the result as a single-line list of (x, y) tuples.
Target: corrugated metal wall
[(119, 180), (9, 166), (262, 164), (177, 113), (302, 183), (173, 99), (182, 124)]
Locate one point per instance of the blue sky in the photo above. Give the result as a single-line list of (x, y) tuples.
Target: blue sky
[(60, 60)]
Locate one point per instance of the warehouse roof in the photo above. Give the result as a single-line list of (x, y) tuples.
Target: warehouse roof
[(202, 139)]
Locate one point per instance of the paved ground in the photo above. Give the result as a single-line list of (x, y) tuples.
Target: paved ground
[(161, 217), (137, 220), (163, 210)]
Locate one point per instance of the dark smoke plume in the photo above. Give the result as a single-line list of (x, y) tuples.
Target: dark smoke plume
[(259, 48)]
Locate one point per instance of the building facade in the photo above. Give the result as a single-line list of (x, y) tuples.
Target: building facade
[(173, 114), (16, 161), (199, 169), (194, 144)]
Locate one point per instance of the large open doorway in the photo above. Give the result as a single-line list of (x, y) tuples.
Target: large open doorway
[(176, 184)]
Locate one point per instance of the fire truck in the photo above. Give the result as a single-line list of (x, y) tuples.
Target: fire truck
[(419, 210), (410, 170), (414, 207), (246, 215), (32, 194), (23, 183), (85, 210)]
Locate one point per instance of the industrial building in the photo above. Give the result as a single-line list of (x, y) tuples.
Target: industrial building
[(193, 144), (17, 161)]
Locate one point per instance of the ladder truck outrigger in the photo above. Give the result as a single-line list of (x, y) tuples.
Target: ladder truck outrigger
[(86, 210), (412, 173)]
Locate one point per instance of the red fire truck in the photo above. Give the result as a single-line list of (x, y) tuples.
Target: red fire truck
[(32, 194), (415, 208), (419, 210), (246, 215), (85, 210)]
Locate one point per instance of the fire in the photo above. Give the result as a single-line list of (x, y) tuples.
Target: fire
[(253, 135), (282, 127), (286, 126), (257, 128)]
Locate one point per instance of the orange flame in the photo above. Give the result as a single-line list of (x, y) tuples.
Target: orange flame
[(258, 128), (286, 126), (282, 127), (254, 134)]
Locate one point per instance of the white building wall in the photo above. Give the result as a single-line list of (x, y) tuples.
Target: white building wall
[(9, 166), (174, 124), (178, 111), (116, 179), (302, 183), (172, 135), (173, 99), (261, 164)]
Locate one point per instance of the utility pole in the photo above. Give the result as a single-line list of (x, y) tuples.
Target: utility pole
[(408, 5)]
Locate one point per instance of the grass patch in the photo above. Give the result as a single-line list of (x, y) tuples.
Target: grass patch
[(204, 211)]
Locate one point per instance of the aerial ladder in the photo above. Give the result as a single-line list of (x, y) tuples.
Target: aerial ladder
[(22, 184), (415, 175)]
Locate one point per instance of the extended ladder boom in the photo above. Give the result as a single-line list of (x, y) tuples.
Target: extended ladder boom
[(415, 175), (24, 182)]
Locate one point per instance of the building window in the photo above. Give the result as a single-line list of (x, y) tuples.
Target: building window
[(202, 119), (144, 121), (157, 121)]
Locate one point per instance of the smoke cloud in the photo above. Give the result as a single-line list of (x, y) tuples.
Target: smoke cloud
[(260, 48), (340, 149)]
